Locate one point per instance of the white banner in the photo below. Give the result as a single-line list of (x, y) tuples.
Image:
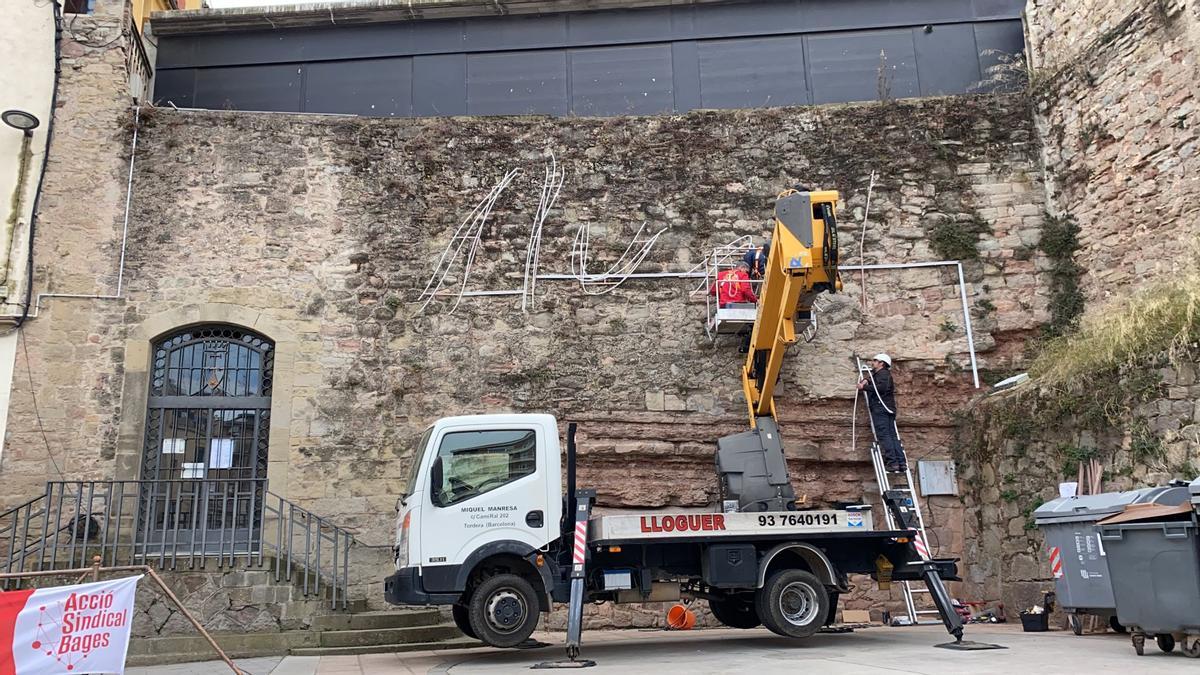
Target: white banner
[(67, 630)]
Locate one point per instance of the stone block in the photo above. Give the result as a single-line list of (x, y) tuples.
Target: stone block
[(655, 400)]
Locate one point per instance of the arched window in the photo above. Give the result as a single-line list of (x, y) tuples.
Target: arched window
[(207, 427)]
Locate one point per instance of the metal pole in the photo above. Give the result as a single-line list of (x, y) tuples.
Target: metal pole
[(346, 571), (171, 596), (120, 516), (962, 294)]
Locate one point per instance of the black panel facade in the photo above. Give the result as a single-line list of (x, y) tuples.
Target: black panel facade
[(753, 72), (613, 62)]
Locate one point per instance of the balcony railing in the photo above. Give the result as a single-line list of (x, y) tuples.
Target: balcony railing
[(177, 524), (139, 65)]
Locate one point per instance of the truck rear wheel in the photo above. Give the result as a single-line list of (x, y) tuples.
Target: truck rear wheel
[(793, 603), (735, 612), (462, 619), (503, 610)]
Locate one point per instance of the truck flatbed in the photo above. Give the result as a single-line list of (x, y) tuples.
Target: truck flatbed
[(666, 527)]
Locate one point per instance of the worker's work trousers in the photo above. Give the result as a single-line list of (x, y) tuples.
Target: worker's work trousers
[(889, 442)]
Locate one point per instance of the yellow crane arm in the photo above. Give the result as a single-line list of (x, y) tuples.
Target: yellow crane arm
[(801, 263)]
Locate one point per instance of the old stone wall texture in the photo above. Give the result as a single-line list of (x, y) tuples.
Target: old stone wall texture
[(1144, 432), (1114, 85), (66, 351), (1116, 89), (329, 227)]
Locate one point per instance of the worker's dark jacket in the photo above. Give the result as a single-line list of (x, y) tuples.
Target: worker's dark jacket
[(881, 392), (757, 260)]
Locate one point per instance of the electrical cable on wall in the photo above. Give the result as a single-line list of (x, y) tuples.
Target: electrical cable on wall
[(36, 412), (37, 195)]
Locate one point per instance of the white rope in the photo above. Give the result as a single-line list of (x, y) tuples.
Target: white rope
[(551, 186), (466, 236), (619, 272)]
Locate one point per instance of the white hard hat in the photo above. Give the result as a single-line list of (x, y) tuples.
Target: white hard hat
[(885, 358)]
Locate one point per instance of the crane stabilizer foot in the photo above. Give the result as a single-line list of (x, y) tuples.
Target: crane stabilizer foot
[(945, 607), (572, 663), (969, 646)]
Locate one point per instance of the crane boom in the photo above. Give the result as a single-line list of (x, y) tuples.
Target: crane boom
[(801, 264)]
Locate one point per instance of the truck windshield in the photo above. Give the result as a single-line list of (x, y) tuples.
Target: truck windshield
[(416, 462), (470, 463)]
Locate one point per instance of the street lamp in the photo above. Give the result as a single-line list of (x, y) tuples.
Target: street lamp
[(20, 120)]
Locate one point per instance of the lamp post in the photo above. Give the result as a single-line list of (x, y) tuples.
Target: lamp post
[(25, 123)]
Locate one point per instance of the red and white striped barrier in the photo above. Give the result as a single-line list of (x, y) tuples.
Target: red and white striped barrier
[(922, 549), (1056, 562), (580, 541)]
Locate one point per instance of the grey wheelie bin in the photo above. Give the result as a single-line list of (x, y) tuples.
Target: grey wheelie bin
[(1068, 524), (1155, 568)]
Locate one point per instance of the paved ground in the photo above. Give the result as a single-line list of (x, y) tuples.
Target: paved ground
[(873, 650)]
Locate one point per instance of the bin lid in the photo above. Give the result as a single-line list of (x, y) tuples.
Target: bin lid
[(1095, 507)]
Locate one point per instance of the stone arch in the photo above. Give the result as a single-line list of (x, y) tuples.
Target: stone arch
[(138, 366)]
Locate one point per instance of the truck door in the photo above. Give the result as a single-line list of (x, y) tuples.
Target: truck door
[(486, 485)]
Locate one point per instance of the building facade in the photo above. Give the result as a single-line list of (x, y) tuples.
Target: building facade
[(232, 337), (397, 60)]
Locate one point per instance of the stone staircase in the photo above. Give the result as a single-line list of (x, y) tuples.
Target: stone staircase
[(384, 631), (352, 632)]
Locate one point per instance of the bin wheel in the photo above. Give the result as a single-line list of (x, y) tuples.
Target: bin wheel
[(1117, 626), (1076, 623), (1165, 642), (1190, 647), (1139, 643)]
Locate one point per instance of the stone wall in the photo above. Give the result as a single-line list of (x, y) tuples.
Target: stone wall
[(1142, 427), (67, 431), (321, 231), (1116, 88)]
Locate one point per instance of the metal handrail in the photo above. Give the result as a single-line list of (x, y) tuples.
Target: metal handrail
[(176, 522)]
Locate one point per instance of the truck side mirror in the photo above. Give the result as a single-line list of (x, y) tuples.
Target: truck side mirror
[(435, 481)]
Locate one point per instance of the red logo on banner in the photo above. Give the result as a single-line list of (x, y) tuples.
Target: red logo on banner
[(68, 631)]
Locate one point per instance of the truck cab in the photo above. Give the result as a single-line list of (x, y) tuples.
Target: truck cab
[(484, 496)]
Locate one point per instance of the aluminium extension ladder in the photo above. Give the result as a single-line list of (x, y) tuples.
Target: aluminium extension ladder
[(909, 497)]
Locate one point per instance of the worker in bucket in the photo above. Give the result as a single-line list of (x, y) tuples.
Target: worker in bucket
[(881, 399), (756, 260), (733, 286)]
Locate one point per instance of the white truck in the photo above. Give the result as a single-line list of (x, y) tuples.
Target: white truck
[(487, 526)]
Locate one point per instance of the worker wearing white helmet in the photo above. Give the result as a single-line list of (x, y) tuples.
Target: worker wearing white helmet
[(881, 398)]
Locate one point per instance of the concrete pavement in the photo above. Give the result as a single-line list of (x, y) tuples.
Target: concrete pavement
[(719, 651)]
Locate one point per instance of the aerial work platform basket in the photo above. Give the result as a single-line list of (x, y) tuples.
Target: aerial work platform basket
[(733, 318), (738, 318)]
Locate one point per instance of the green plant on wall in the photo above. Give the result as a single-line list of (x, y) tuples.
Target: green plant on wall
[(1144, 446), (1060, 241), (957, 240)]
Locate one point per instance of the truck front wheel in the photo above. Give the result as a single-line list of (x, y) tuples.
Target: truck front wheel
[(793, 603), (503, 610), (734, 612), (462, 619)]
